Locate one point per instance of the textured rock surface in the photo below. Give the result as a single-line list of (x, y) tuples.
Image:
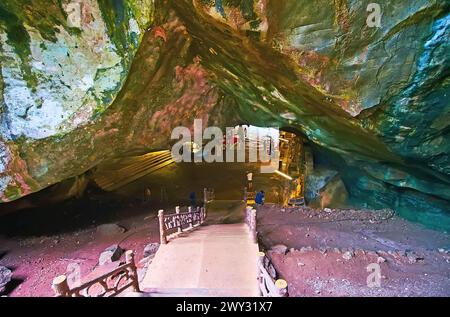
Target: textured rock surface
[(372, 100), (5, 277), (325, 188)]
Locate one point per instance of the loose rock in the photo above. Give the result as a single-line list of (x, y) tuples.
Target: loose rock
[(279, 248), (348, 255), (5, 277), (151, 249), (110, 229), (111, 254)]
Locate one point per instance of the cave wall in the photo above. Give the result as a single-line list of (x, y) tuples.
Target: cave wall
[(373, 99)]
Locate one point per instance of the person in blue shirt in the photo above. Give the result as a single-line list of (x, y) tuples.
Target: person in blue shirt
[(192, 198), (259, 199)]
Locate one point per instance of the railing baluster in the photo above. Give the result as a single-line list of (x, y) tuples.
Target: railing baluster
[(180, 225), (129, 259)]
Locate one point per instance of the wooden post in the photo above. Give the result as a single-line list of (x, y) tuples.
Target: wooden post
[(177, 211), (205, 198), (199, 213), (281, 288), (191, 217), (162, 228), (253, 226), (129, 259), (260, 264), (60, 286)]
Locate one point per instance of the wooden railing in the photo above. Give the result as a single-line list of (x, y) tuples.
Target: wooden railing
[(111, 280), (250, 220), (270, 283), (208, 195), (171, 225), (174, 224), (249, 196)]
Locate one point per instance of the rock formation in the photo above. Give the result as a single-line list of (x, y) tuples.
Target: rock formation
[(84, 81)]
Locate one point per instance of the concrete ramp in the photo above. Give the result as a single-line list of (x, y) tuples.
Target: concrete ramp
[(215, 260)]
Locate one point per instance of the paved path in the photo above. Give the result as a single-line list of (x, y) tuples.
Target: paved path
[(214, 260)]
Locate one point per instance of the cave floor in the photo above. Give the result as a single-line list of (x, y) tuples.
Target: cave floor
[(328, 252), (415, 260)]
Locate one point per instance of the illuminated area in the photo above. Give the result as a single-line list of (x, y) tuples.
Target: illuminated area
[(231, 148)]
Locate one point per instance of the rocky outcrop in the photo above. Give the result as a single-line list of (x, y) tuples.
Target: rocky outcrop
[(372, 100), (325, 188)]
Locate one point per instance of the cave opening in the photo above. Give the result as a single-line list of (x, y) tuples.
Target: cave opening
[(142, 183)]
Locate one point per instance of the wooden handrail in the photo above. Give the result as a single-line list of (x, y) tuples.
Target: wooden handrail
[(108, 277), (174, 224), (270, 283)]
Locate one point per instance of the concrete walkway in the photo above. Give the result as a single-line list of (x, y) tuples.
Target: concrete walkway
[(214, 260)]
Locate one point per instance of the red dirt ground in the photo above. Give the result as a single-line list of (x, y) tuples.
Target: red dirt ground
[(35, 261), (414, 261)]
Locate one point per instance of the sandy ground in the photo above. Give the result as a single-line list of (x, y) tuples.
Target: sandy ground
[(328, 252)]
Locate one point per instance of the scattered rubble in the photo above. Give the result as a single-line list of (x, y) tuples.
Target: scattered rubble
[(305, 249), (279, 248), (348, 255)]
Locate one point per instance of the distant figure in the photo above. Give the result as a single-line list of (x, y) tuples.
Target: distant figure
[(192, 198), (164, 197), (259, 199), (147, 195)]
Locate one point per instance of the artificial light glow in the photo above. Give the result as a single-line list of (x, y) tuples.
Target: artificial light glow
[(284, 175)]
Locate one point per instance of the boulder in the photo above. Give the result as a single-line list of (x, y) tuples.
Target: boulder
[(279, 248), (110, 229), (111, 254), (151, 249), (348, 255), (5, 277), (325, 188)]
